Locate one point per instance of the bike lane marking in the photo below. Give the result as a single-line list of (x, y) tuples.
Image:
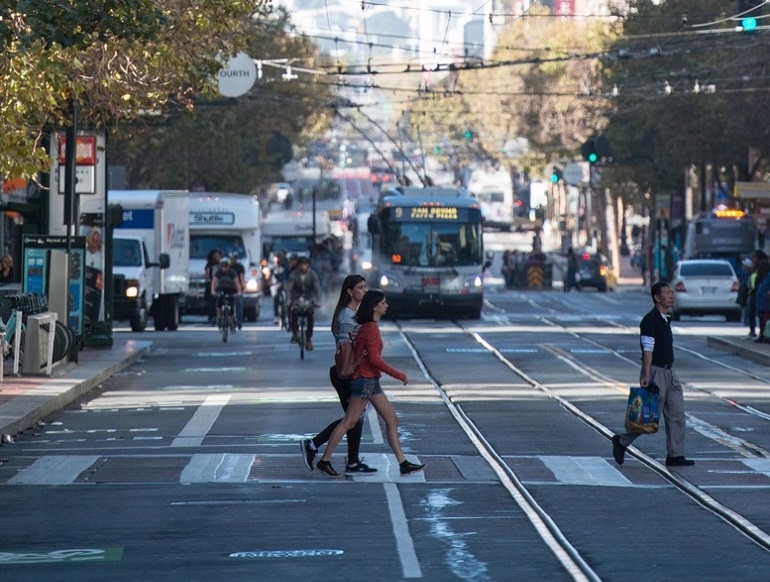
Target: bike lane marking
[(201, 422)]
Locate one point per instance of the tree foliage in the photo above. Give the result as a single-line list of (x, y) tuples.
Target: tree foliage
[(229, 144), (691, 90), (117, 60)]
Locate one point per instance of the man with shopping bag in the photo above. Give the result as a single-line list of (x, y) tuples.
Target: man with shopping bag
[(657, 343)]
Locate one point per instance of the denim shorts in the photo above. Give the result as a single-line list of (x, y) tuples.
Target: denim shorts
[(365, 387)]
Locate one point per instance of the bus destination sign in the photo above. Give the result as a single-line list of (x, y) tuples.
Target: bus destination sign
[(433, 213)]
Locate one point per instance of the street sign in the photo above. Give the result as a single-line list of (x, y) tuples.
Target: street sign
[(237, 77), (576, 173)]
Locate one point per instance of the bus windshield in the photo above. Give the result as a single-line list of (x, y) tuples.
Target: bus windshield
[(418, 244), (201, 244)]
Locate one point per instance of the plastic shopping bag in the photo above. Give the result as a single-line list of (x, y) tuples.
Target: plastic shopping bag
[(642, 410)]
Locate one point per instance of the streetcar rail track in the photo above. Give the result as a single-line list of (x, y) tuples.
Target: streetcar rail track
[(736, 520)]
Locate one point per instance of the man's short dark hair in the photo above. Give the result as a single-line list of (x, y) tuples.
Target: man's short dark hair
[(657, 288)]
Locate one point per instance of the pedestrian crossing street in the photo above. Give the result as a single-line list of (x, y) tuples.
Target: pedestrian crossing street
[(542, 470)]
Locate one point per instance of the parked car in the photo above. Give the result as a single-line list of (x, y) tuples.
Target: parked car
[(595, 270), (705, 286)]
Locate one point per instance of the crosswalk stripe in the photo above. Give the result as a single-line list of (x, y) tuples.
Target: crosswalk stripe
[(53, 470), (202, 421), (217, 468), (585, 471)]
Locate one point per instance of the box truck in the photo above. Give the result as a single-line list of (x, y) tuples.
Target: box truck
[(150, 257), (231, 223)]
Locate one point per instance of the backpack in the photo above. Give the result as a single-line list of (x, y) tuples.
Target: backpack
[(345, 359)]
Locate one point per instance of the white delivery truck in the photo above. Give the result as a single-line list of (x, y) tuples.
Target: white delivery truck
[(231, 223), (150, 256), (291, 231)]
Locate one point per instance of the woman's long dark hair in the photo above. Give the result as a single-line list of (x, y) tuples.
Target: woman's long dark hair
[(365, 312), (348, 284)]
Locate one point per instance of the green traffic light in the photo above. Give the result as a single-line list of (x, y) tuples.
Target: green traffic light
[(554, 178), (749, 23), (468, 134), (437, 150), (592, 157)]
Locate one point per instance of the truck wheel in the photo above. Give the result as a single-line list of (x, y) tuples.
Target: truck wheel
[(139, 319), (172, 315)]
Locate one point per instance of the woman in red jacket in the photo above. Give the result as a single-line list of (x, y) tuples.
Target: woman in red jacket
[(365, 386)]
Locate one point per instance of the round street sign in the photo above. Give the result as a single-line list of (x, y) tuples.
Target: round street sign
[(237, 77), (575, 173)]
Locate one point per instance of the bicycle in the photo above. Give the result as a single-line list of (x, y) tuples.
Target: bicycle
[(283, 314), (300, 310), (226, 320)]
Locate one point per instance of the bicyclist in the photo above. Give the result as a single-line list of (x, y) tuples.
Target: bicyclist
[(225, 285), (279, 272), (303, 283)]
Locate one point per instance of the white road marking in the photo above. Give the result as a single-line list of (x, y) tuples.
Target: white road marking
[(217, 468), (409, 563), (374, 425), (758, 465), (202, 421), (53, 470), (585, 471)]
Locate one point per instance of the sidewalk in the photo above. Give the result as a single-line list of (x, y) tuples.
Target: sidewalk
[(24, 400)]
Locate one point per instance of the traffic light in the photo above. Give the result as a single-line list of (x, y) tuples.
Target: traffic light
[(596, 148), (468, 134), (436, 150), (749, 24), (555, 175)]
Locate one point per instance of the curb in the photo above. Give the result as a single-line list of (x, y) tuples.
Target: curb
[(750, 353), (24, 411)]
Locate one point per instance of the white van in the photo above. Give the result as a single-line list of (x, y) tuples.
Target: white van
[(231, 223)]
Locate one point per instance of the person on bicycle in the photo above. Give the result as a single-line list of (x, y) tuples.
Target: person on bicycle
[(279, 272), (225, 285), (303, 283)]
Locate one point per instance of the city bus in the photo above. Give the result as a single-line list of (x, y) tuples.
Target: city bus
[(724, 234), (428, 251)]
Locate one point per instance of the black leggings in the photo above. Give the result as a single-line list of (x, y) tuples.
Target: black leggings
[(354, 434)]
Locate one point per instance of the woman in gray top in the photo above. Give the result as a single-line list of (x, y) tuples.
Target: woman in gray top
[(344, 326)]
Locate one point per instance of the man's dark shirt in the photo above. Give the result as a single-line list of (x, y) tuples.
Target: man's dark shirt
[(658, 326), (226, 281)]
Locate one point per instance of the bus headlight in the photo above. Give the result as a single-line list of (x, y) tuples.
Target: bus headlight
[(366, 265), (132, 288), (252, 285), (473, 282), (386, 281)]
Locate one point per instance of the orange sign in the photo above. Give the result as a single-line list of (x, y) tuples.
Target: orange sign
[(85, 150), (14, 184)]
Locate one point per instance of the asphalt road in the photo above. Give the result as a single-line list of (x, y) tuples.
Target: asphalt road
[(187, 466)]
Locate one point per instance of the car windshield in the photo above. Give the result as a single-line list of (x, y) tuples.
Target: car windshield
[(705, 270)]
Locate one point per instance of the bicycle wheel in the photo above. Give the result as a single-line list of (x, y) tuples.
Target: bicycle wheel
[(224, 323), (302, 337)]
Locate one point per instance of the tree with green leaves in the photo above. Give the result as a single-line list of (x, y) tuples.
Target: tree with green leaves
[(116, 60), (235, 144)]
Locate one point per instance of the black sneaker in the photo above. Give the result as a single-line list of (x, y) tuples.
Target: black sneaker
[(359, 468), (326, 468), (308, 454), (408, 468)]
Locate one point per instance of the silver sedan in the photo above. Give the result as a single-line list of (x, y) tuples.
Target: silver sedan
[(705, 286)]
